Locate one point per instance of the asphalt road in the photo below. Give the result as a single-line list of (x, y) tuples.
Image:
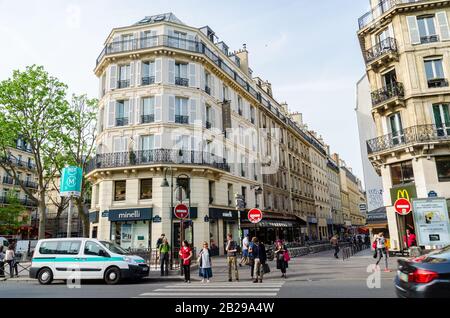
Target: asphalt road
[(313, 276)]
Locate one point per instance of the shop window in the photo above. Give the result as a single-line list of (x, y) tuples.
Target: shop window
[(402, 173), (146, 189), (120, 190), (443, 168), (94, 232)]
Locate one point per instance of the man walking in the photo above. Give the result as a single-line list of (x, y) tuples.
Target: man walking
[(245, 244), (231, 250), (164, 255), (259, 252), (335, 243)]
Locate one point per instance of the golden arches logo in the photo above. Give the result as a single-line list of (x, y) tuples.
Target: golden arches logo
[(403, 194)]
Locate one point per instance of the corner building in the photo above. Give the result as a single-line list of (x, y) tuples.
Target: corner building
[(174, 102)]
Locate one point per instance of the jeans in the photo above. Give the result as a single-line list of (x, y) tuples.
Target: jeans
[(164, 261), (12, 267), (2, 269), (187, 272), (259, 272), (232, 264), (382, 251), (336, 251)]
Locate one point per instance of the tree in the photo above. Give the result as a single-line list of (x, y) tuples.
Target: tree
[(80, 146), (33, 107), (12, 215)]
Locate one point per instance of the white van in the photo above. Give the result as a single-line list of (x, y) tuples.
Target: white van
[(89, 258)]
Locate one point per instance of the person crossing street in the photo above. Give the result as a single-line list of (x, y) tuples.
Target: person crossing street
[(231, 250)]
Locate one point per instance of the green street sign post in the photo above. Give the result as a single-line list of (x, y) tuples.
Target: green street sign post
[(70, 186)]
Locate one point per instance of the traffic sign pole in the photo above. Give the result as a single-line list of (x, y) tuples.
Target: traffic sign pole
[(69, 218)]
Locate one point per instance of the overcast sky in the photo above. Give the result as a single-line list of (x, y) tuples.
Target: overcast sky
[(308, 50)]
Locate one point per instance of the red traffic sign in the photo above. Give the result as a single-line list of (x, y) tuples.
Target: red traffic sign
[(255, 216), (181, 211), (402, 206)]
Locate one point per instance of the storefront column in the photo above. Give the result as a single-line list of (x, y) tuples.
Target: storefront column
[(161, 208), (220, 240)]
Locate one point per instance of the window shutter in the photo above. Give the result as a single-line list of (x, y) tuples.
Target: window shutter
[(192, 110), (213, 85), (220, 91), (158, 115), (135, 40), (138, 73), (132, 111), (219, 119), (413, 29), (191, 42), (171, 70), (112, 114), (117, 144), (391, 31), (203, 112), (154, 39), (137, 110), (217, 89), (113, 76), (171, 109), (202, 77), (126, 110), (158, 70), (442, 22), (192, 75), (132, 74), (213, 117)]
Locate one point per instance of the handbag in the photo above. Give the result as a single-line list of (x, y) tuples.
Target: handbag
[(375, 255), (287, 257), (266, 268)]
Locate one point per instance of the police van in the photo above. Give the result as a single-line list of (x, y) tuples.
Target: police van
[(82, 258)]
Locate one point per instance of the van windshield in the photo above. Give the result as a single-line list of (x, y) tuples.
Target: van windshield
[(114, 248)]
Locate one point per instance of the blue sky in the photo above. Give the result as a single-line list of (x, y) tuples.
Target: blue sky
[(308, 50)]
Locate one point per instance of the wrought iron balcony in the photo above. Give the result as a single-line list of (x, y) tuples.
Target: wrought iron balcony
[(387, 46), (122, 121), (147, 119), (410, 135), (23, 201), (30, 184), (19, 163), (208, 90), (180, 119), (181, 81), (8, 180), (148, 80), (208, 125), (155, 157), (429, 39), (123, 83), (387, 93), (437, 82)]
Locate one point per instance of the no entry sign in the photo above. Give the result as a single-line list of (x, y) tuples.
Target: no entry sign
[(181, 211), (255, 216), (402, 206)]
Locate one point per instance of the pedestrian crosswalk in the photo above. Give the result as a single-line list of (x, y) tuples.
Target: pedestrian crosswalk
[(216, 289)]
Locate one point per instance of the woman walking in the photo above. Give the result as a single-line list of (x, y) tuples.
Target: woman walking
[(186, 256), (281, 254), (9, 259), (381, 249), (205, 263)]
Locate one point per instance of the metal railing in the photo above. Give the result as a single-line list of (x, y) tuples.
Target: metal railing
[(156, 156), (122, 121), (147, 119), (152, 257), (123, 83), (386, 93), (437, 82), (429, 39), (410, 135), (181, 119), (181, 81), (384, 47), (23, 201), (208, 90), (148, 80), (8, 180)]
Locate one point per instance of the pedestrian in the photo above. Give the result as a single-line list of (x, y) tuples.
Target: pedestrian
[(186, 256), (335, 244), (245, 244), (382, 251), (251, 256), (2, 262), (409, 239), (160, 240), (231, 250), (259, 253), (282, 263), (164, 256), (9, 259), (205, 264)]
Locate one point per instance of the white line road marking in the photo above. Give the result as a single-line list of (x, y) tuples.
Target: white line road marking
[(220, 289), (254, 294)]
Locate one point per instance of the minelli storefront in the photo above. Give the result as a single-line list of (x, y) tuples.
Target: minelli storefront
[(221, 223)]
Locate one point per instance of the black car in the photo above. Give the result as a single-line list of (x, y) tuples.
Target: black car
[(427, 276)]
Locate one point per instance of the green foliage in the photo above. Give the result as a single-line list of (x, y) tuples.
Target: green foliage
[(12, 215)]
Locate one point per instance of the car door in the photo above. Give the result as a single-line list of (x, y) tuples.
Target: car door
[(94, 260)]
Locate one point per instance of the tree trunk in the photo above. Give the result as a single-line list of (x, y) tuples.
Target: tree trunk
[(83, 217), (42, 215)]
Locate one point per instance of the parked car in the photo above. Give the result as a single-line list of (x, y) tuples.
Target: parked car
[(427, 276), (3, 242), (88, 258)]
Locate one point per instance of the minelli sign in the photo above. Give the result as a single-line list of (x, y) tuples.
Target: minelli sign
[(130, 215), (403, 192)]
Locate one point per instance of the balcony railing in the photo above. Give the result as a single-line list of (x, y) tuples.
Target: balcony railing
[(123, 83), (386, 93), (148, 80), (147, 119), (414, 134), (429, 39), (23, 201), (19, 163), (181, 81), (180, 119), (208, 125), (379, 10), (122, 121), (384, 47), (208, 90), (157, 156), (31, 184), (437, 82), (8, 180)]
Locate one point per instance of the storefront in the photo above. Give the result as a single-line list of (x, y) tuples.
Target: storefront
[(188, 228), (221, 223), (313, 229), (131, 228)]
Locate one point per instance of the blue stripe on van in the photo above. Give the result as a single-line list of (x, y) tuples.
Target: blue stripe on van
[(77, 259)]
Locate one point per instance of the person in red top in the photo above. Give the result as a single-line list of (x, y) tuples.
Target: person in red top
[(409, 239), (186, 256)]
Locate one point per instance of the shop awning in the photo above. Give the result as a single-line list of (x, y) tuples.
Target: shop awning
[(274, 223)]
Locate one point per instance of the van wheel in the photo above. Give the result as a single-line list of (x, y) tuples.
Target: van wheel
[(45, 276), (112, 276)]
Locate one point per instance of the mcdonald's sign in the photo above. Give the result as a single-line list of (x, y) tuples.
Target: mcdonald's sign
[(403, 192)]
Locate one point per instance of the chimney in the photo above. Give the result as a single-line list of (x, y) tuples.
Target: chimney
[(267, 87), (335, 157), (284, 107), (243, 57), (298, 118)]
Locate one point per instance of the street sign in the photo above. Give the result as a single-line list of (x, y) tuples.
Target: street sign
[(70, 183), (255, 216), (402, 207), (181, 211), (432, 194)]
